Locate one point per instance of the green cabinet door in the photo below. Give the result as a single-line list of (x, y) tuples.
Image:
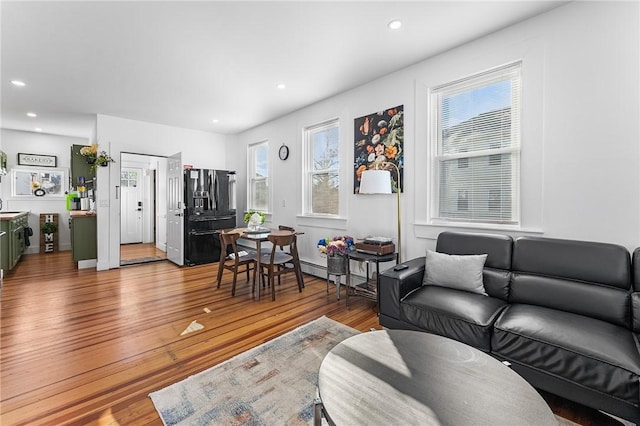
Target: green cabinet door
[(5, 243), (12, 244), (84, 239), (17, 245)]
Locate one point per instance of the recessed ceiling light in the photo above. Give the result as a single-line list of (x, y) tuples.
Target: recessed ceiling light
[(281, 86), (396, 24), (38, 129), (18, 83), (215, 120), (32, 114)]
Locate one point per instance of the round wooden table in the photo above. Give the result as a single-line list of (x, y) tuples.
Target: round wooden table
[(407, 377)]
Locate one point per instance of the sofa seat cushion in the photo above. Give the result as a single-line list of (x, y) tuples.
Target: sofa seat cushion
[(460, 315), (582, 350)]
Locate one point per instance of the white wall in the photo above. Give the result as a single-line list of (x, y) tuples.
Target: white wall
[(13, 142), (118, 135), (580, 175)]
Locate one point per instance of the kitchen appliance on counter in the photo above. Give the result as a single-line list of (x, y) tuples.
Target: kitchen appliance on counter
[(210, 205)]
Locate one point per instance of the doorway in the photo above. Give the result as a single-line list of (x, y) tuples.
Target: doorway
[(143, 229)]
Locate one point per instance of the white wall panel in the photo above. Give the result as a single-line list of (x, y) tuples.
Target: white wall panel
[(581, 152)]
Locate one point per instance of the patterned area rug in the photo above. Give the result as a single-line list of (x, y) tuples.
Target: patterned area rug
[(272, 384)]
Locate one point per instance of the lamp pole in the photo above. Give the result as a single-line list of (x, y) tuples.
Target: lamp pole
[(385, 163)]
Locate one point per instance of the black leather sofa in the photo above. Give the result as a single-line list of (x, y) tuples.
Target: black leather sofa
[(563, 313)]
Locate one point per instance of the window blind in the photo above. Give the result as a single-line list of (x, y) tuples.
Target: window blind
[(478, 146)]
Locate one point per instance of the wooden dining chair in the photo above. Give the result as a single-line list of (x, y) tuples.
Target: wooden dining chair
[(274, 264), (293, 251), (235, 260)]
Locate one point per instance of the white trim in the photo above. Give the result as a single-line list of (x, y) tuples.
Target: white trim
[(509, 72), (251, 175), (308, 171)]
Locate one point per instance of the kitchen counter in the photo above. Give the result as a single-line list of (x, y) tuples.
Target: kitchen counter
[(81, 213), (11, 215)]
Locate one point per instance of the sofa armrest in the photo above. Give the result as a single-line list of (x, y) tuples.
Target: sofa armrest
[(635, 311), (394, 285)]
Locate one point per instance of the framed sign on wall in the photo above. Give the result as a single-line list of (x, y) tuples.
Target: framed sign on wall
[(36, 160)]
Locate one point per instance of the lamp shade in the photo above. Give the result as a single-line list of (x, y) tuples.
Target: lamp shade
[(375, 182)]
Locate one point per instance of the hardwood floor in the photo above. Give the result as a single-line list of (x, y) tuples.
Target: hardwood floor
[(140, 253), (82, 347)]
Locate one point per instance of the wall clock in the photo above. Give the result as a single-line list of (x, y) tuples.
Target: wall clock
[(283, 153)]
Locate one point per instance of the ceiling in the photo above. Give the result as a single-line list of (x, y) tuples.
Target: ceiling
[(187, 63)]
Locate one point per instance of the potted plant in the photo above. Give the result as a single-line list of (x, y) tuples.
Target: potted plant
[(254, 219), (90, 152), (102, 159), (337, 249), (48, 228), (95, 158)]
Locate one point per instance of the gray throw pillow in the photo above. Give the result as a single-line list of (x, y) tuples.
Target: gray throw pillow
[(454, 271)]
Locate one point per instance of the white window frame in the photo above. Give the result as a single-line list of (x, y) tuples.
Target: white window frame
[(512, 71), (252, 177), (309, 172)]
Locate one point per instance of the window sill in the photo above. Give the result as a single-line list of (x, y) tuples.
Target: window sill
[(320, 221), (431, 230)]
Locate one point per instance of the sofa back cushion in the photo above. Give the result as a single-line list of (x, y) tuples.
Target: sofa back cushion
[(586, 278), (498, 248)]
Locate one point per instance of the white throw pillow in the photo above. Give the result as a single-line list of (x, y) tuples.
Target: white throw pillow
[(454, 271)]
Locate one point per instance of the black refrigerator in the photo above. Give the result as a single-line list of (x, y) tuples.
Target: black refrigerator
[(210, 205)]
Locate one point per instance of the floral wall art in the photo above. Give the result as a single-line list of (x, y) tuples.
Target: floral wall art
[(379, 137)]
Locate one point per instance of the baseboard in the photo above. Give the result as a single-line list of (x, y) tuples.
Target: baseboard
[(313, 269), (36, 249), (321, 272), (85, 264)]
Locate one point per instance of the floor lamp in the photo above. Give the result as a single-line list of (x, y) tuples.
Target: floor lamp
[(377, 181)]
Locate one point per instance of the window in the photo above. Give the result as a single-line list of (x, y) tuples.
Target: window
[(128, 178), (322, 178), (38, 182), (258, 177), (477, 148)]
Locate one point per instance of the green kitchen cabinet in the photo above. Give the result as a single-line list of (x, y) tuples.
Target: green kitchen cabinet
[(79, 166), (84, 238), (12, 244)]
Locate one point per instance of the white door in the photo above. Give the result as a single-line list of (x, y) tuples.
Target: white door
[(131, 208), (175, 210)]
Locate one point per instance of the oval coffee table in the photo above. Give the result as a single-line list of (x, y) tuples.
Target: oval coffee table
[(407, 377)]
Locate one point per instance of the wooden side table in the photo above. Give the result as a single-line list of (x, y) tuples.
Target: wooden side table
[(369, 288)]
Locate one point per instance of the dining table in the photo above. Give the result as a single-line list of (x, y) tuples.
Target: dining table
[(259, 236)]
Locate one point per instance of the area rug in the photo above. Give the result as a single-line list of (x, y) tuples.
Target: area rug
[(272, 384)]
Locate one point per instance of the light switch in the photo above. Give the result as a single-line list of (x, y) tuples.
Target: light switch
[(104, 203)]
